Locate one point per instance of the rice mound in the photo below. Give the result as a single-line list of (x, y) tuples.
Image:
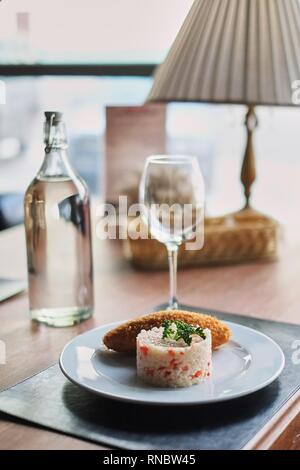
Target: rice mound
[(167, 363)]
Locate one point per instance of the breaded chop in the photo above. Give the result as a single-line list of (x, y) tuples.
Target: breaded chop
[(123, 338)]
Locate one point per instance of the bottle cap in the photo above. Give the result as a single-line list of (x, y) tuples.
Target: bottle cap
[(54, 131), (55, 115)]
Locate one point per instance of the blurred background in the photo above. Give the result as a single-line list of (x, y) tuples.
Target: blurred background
[(79, 57)]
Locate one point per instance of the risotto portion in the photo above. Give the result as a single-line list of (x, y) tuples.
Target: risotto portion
[(174, 355)]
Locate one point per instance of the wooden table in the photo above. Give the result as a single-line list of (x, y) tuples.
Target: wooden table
[(267, 290)]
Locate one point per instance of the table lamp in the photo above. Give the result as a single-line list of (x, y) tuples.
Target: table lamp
[(234, 51)]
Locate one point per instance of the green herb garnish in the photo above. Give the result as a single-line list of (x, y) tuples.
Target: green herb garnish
[(176, 330)]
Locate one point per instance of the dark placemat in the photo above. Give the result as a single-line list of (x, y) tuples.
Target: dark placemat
[(48, 399)]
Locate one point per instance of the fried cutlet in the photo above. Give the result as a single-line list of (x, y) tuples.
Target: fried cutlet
[(123, 338)]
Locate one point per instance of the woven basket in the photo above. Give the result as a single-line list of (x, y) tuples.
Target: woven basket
[(234, 238)]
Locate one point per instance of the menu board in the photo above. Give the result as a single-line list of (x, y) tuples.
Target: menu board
[(132, 134)]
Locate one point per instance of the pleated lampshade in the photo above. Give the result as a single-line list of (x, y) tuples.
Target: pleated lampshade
[(233, 51)]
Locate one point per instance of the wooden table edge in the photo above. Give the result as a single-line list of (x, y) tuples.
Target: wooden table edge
[(266, 438)]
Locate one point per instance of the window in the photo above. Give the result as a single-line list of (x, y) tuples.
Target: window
[(89, 31), (127, 32), (83, 101)]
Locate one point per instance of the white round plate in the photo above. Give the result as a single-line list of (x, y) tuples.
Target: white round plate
[(244, 365)]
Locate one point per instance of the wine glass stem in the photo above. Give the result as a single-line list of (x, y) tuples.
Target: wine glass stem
[(172, 256)]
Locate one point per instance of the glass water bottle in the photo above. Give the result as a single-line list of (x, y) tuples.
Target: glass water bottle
[(58, 236)]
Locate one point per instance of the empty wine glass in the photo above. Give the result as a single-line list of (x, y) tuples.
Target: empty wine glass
[(172, 205)]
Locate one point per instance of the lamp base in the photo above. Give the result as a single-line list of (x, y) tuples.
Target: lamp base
[(239, 237)]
